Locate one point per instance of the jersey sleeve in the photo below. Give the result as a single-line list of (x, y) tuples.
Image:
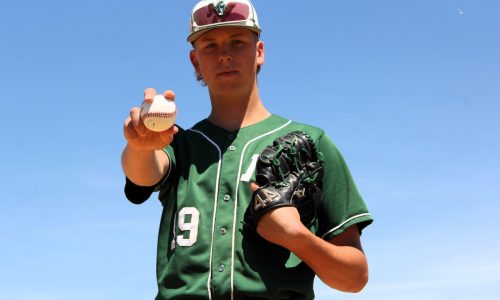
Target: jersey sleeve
[(342, 204), (174, 153)]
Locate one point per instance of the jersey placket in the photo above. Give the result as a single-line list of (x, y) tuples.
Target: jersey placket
[(222, 240)]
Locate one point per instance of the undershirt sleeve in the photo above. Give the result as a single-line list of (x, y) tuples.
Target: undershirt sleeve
[(138, 194)]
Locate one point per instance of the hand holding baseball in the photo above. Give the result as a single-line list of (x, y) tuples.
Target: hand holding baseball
[(138, 135)]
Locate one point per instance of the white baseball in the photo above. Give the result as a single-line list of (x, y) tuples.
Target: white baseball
[(159, 115)]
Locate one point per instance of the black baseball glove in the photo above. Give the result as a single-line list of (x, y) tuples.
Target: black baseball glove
[(289, 173)]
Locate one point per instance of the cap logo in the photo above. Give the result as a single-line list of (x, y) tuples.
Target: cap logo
[(220, 11), (220, 8)]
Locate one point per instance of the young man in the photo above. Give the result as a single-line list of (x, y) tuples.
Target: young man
[(206, 248)]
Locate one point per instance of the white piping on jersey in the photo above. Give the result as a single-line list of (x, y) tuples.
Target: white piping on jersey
[(236, 197), (209, 283), (343, 223), (174, 239), (169, 168)]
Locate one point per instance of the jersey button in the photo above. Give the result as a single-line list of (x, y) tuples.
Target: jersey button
[(221, 268), (230, 137), (223, 231), (232, 147), (227, 198)]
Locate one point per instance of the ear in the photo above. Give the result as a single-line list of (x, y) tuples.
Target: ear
[(194, 61), (260, 53)]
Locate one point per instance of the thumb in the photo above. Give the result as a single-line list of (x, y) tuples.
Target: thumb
[(254, 186)]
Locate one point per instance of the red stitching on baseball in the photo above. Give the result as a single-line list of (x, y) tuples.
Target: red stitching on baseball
[(159, 115)]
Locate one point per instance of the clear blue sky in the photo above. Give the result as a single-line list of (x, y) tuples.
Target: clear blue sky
[(408, 90)]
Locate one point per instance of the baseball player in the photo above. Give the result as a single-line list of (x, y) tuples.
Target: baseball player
[(216, 238)]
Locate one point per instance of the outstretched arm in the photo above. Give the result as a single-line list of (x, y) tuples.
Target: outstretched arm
[(143, 160)]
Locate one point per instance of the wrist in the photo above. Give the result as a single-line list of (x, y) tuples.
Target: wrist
[(138, 149)]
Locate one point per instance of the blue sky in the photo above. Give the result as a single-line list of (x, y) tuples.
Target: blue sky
[(408, 90)]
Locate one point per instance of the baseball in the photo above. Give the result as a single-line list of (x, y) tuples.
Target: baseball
[(159, 115)]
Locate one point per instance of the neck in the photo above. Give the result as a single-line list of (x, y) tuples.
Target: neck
[(233, 111)]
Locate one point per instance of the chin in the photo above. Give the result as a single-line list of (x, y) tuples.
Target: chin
[(228, 89)]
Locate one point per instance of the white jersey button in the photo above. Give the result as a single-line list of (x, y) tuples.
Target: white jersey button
[(232, 147), (221, 268), (223, 231), (227, 198)]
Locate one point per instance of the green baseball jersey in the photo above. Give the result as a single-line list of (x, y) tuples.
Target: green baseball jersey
[(206, 250)]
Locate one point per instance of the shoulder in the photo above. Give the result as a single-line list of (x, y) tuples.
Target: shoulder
[(317, 134), (183, 135), (313, 131)]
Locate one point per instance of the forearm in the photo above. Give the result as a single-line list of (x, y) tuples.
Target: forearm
[(144, 167), (340, 262), (341, 267)]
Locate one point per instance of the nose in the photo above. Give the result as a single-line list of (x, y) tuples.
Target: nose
[(225, 55)]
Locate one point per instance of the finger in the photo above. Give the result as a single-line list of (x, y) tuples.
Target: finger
[(135, 115), (128, 130), (169, 94), (149, 94), (165, 138), (254, 186), (173, 130), (168, 135)]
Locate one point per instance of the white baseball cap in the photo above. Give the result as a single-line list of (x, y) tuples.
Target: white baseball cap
[(210, 14)]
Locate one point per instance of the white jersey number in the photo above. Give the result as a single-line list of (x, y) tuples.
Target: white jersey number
[(189, 218)]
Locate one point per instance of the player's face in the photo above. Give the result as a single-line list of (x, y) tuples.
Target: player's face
[(228, 58)]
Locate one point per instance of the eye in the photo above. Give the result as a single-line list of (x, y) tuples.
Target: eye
[(237, 42), (211, 45)]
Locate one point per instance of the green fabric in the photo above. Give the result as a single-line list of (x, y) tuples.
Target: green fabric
[(204, 247)]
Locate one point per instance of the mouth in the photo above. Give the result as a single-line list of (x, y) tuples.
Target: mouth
[(227, 73)]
